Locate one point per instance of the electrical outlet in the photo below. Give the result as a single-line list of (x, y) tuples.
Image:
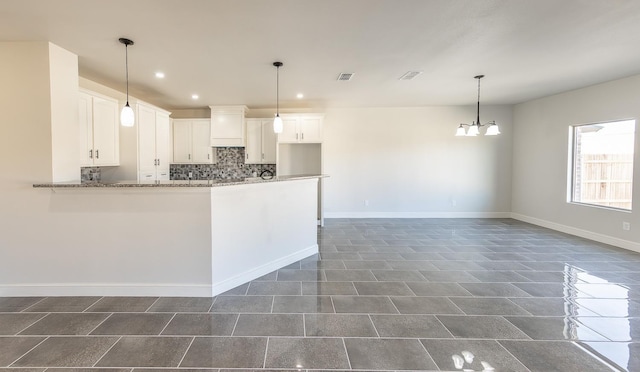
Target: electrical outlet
[(190, 175), (626, 226), (366, 202)]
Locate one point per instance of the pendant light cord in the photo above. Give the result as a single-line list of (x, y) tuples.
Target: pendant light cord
[(478, 112), (278, 91), (126, 64)]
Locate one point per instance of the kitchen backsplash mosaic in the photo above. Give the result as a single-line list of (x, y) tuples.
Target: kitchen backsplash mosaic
[(90, 174), (230, 166)]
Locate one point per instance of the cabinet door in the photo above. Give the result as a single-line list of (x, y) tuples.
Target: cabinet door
[(289, 131), (201, 141), (86, 129), (310, 129), (182, 141), (146, 140), (253, 149), (106, 149), (227, 129), (163, 144), (269, 140)]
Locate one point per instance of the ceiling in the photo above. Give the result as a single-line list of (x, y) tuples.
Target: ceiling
[(223, 50)]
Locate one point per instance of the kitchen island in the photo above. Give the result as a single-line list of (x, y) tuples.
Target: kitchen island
[(174, 238)]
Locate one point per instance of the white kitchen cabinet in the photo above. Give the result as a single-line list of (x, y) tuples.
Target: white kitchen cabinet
[(261, 142), (192, 141), (99, 130), (153, 143), (301, 128), (227, 126)]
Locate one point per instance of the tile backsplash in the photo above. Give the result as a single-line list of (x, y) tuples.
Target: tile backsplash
[(90, 174), (230, 165)]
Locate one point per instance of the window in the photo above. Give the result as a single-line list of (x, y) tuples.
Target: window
[(603, 164)]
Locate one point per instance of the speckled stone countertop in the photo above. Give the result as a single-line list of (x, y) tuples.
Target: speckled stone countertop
[(181, 183)]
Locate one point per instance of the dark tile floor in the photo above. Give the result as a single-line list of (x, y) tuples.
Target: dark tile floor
[(411, 294)]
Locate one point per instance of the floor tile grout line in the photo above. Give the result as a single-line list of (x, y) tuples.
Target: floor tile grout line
[(43, 315), (374, 325), (509, 352), (266, 350), (445, 327), (429, 354), (28, 351), (92, 305), (186, 351), (169, 322), (150, 306), (394, 305), (106, 352), (235, 324), (99, 324), (32, 305), (212, 302), (344, 344)]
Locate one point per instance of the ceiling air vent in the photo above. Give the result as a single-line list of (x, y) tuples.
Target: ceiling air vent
[(346, 76), (410, 75)]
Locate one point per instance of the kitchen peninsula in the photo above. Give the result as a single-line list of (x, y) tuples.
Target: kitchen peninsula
[(181, 238)]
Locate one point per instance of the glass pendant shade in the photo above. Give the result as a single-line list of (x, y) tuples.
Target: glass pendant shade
[(278, 126), (493, 130), (473, 130), (461, 131), (127, 117)]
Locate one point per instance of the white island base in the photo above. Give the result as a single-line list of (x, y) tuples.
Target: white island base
[(170, 238), (259, 228)]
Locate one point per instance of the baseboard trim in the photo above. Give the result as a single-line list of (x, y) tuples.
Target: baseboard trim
[(606, 239), (417, 215), (249, 275), (104, 289)]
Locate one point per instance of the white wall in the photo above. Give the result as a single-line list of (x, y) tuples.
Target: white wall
[(541, 156), (407, 163)]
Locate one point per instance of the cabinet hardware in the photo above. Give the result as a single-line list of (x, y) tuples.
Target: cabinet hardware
[(296, 136), (158, 161), (247, 156), (91, 154), (262, 156), (97, 154), (189, 156), (208, 156), (302, 136)]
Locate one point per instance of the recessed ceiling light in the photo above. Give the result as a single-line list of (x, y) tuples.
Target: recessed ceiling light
[(195, 96), (299, 95), (160, 75)]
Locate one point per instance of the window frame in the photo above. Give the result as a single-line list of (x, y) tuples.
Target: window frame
[(572, 165)]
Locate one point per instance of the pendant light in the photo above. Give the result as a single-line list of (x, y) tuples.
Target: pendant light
[(474, 128), (127, 117), (278, 126)]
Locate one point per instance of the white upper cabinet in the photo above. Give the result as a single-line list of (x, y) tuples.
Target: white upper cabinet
[(99, 130), (154, 143), (301, 128), (192, 141), (261, 142), (227, 126)]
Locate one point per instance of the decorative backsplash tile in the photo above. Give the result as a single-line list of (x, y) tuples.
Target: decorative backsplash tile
[(230, 166), (90, 174)]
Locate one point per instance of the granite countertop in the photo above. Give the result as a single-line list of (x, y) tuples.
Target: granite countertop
[(177, 183)]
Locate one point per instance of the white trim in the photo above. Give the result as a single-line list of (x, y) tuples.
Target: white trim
[(105, 289), (417, 215), (256, 272), (626, 244)]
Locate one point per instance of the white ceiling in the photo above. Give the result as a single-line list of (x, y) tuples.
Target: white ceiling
[(223, 50)]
